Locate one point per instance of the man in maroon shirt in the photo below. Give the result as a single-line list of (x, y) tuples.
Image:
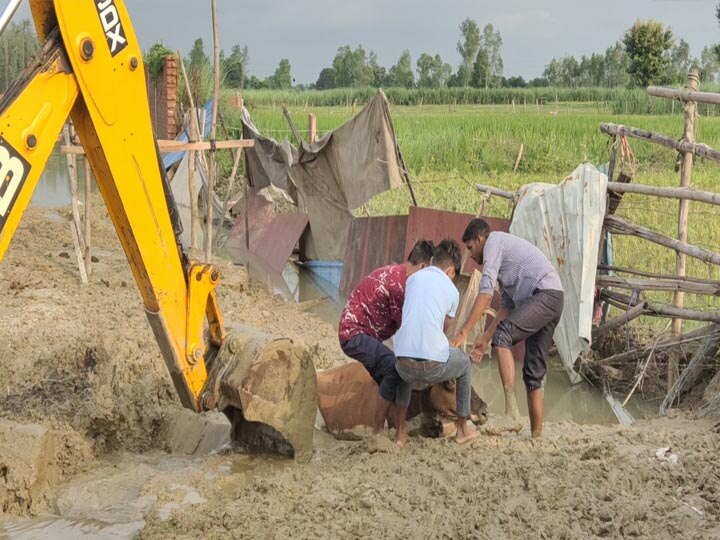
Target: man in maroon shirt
[(373, 314)]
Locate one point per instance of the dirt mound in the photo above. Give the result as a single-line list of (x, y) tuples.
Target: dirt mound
[(82, 360)]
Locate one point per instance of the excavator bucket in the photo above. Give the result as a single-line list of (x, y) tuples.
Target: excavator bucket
[(268, 389)]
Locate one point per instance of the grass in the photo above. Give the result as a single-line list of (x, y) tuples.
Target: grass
[(449, 149)]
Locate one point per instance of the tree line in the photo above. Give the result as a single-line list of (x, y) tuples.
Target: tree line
[(647, 53)]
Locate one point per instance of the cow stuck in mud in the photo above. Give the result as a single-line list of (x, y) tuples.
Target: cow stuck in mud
[(346, 403)]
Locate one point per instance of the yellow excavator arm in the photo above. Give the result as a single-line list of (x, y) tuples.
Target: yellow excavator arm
[(90, 68)]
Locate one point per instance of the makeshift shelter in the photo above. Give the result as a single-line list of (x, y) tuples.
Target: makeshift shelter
[(334, 175)]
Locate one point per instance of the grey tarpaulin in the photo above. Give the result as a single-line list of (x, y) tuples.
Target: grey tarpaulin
[(333, 176), (344, 170), (267, 162)]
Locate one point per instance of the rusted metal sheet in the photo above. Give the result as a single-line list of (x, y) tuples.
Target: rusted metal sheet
[(372, 242), (272, 236), (436, 225), (565, 221)]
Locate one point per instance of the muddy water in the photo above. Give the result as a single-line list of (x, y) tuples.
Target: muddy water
[(53, 190)]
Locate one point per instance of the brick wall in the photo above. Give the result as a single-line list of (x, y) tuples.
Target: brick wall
[(162, 95)]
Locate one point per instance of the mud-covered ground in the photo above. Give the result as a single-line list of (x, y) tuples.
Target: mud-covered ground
[(81, 362)]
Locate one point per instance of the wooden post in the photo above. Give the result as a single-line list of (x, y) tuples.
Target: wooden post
[(192, 165), (88, 196), (519, 157), (290, 122), (312, 127), (75, 226), (683, 212), (513, 106), (212, 168), (195, 134)]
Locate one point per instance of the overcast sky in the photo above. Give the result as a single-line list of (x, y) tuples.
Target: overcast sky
[(309, 32)]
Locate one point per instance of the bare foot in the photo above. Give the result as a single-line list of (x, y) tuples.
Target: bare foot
[(401, 440), (466, 435), (504, 424), (380, 443)]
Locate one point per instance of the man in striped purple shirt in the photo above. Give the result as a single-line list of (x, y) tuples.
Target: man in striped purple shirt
[(531, 302)]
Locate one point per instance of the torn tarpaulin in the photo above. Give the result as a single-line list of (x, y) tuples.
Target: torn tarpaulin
[(333, 176)]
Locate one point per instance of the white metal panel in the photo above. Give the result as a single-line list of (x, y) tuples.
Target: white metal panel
[(565, 221)]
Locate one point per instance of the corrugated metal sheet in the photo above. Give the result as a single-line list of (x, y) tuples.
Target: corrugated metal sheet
[(436, 225), (565, 221), (272, 237), (372, 242)]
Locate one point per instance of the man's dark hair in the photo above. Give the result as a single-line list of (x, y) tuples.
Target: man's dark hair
[(447, 253), (476, 227), (422, 252)]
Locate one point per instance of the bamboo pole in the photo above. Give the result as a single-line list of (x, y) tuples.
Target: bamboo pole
[(682, 193), (75, 227), (613, 324), (312, 127), (194, 133), (620, 226), (194, 210), (290, 122), (495, 191), (632, 271), (167, 147), (660, 310), (212, 168), (698, 149), (689, 94), (88, 197), (683, 214), (671, 285), (519, 157)]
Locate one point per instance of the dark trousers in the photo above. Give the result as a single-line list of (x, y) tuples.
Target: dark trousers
[(378, 360), (533, 320)]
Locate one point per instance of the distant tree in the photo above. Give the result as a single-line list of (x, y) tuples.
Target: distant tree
[(197, 56), (679, 62), (538, 82), (200, 75), (352, 68), (616, 64), (552, 73), (515, 82), (432, 71), (647, 44), (480, 70), (490, 65), (401, 74), (258, 84), (18, 44), (235, 66), (326, 80), (709, 65), (381, 77), (282, 79), (457, 79), (468, 47)]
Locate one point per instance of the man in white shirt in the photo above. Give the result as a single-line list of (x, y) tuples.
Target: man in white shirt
[(421, 347)]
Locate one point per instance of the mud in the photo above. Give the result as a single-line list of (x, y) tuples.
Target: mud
[(82, 360), (82, 365), (580, 482)]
